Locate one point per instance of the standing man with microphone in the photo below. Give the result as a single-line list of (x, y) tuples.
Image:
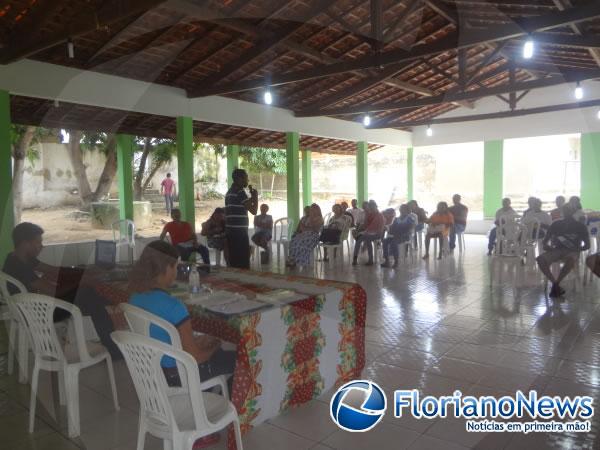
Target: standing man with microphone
[(237, 206)]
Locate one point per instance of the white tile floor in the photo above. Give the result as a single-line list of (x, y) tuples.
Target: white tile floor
[(435, 326)]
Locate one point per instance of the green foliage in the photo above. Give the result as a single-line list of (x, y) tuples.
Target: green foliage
[(99, 141), (17, 132), (270, 160)]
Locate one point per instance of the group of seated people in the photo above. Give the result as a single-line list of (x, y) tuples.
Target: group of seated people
[(184, 238), (535, 216), (150, 278), (369, 225), (563, 233)]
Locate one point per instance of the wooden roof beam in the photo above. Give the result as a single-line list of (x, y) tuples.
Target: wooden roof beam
[(497, 115), (564, 4), (570, 76), (309, 52), (267, 44), (376, 16), (401, 19), (493, 34)]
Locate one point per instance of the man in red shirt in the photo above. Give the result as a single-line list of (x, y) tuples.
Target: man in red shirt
[(169, 190), (183, 237)]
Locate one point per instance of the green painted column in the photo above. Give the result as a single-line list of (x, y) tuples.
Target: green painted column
[(7, 217), (306, 177), (409, 174), (185, 169), (233, 161), (362, 172), (125, 175), (590, 170), (293, 175), (492, 177)]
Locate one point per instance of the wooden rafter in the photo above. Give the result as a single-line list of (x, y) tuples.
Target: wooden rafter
[(497, 115), (412, 7), (111, 11), (564, 4), (493, 34), (267, 44), (115, 40), (475, 94)]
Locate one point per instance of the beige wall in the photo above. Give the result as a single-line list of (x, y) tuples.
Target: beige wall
[(49, 180)]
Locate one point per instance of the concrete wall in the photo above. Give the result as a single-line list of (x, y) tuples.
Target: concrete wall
[(49, 180)]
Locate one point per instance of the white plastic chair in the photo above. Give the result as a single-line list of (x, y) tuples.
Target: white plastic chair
[(406, 248), (218, 253), (17, 336), (182, 419), (332, 249), (124, 236), (594, 231), (140, 320), (507, 236), (37, 314), (530, 239), (282, 240)]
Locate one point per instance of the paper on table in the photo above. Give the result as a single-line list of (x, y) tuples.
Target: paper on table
[(215, 298), (279, 296), (236, 307)]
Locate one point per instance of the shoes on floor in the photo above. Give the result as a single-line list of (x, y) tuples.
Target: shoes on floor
[(556, 291)]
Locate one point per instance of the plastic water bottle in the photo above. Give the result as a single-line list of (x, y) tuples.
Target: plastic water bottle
[(194, 281)]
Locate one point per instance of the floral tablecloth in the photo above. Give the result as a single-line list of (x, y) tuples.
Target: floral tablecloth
[(287, 355)]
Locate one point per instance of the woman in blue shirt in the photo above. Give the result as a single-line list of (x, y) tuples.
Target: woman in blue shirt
[(152, 275)]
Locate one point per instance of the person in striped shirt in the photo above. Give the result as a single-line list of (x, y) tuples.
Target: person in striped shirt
[(237, 206)]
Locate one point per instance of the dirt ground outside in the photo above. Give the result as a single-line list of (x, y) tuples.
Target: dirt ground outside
[(68, 224)]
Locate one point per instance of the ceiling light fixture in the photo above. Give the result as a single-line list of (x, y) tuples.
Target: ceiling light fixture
[(367, 120), (268, 97), (528, 48), (429, 131), (70, 48), (578, 91)]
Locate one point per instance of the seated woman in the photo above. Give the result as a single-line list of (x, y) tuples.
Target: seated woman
[(151, 277), (306, 237), (263, 228), (440, 223), (153, 274), (183, 237), (336, 229), (214, 229)]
